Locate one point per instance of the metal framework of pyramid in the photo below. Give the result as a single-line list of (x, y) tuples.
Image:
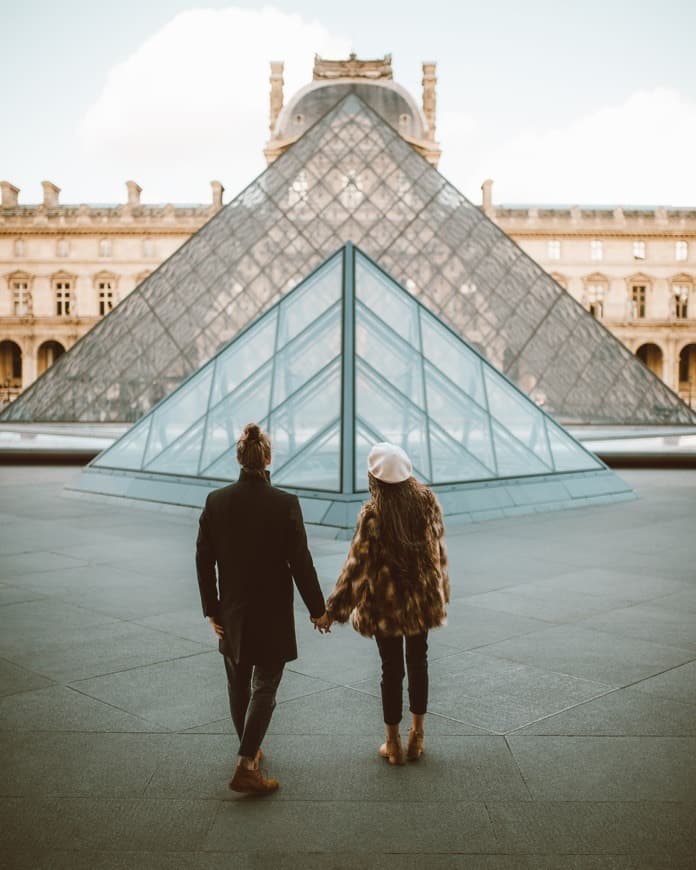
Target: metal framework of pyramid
[(351, 177), (346, 359)]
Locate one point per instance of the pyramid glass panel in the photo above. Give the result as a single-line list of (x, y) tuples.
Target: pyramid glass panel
[(225, 421), (350, 177), (341, 378)]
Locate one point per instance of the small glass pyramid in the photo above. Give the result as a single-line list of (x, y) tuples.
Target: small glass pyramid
[(350, 177), (346, 359)]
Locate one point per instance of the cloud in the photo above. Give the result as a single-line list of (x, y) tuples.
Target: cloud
[(191, 104), (638, 152)]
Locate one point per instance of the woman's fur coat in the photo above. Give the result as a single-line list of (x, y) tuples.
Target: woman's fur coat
[(376, 596)]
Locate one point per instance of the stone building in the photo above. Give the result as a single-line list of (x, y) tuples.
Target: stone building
[(632, 268), (63, 267)]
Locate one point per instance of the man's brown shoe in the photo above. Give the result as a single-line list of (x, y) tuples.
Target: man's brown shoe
[(252, 782)]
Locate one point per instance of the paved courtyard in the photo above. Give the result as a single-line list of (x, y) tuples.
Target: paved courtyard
[(563, 695)]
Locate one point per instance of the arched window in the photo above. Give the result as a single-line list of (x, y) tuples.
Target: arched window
[(47, 354), (105, 247), (687, 373), (10, 368), (651, 354)]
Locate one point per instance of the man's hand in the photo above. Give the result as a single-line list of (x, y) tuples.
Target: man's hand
[(323, 623), (217, 628)]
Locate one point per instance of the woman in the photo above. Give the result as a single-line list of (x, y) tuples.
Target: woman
[(394, 587)]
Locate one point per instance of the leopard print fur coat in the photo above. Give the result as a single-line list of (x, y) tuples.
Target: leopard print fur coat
[(376, 597)]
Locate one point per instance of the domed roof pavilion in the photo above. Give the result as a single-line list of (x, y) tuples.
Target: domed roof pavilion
[(373, 82)]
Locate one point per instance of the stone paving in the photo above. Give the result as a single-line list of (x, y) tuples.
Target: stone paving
[(562, 731)]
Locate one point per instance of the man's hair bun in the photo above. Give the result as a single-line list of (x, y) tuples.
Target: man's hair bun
[(252, 432)]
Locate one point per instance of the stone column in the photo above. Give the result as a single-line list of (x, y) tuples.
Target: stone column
[(29, 361), (277, 68), (429, 99), (50, 194), (218, 190), (670, 365), (134, 191), (487, 199), (10, 194)]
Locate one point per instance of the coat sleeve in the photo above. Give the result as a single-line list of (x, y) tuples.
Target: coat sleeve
[(301, 564), (353, 576), (205, 568)]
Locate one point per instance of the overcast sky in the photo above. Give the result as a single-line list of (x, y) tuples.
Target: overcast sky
[(559, 102)]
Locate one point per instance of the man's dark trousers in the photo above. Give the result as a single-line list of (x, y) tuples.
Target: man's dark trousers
[(252, 692)]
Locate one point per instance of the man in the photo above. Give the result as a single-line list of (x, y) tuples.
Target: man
[(255, 535)]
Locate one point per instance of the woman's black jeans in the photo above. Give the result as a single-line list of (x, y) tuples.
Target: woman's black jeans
[(391, 650)]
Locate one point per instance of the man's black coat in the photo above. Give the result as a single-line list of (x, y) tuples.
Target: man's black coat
[(256, 535)]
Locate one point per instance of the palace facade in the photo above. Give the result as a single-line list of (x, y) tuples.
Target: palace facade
[(64, 267)]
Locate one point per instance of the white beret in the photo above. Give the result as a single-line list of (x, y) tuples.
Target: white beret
[(389, 463)]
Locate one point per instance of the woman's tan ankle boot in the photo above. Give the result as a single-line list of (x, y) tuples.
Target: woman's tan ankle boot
[(392, 749), (414, 749)]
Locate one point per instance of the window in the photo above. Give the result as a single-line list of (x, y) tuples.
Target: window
[(104, 247), (681, 300), (638, 297), (595, 300), (554, 249), (639, 250), (596, 249), (148, 247), (105, 296), (21, 298), (681, 250), (62, 248), (20, 248), (62, 289)]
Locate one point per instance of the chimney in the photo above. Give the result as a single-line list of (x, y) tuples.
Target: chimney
[(218, 190), (9, 194), (487, 200), (277, 68), (51, 192), (429, 100), (134, 191)]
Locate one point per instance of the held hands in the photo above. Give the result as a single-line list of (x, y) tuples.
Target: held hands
[(323, 623)]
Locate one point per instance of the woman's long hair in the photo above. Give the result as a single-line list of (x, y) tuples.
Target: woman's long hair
[(402, 512)]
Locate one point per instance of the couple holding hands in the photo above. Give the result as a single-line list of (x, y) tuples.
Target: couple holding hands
[(393, 587)]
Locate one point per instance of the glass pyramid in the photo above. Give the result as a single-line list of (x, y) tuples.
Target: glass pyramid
[(346, 359), (351, 177)]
